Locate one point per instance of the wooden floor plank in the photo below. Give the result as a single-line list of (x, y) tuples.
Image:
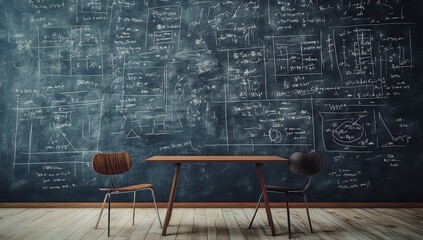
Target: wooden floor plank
[(200, 225), (186, 225), (7, 212), (418, 212), (38, 226), (94, 233), (411, 221), (232, 225), (77, 221), (142, 230), (210, 224), (222, 232), (211, 227), (56, 220), (155, 231), (83, 226), (126, 230), (119, 220), (259, 225), (321, 230), (299, 221), (326, 218), (279, 219), (10, 224), (376, 222), (361, 223), (172, 229), (243, 222), (398, 224), (13, 219)]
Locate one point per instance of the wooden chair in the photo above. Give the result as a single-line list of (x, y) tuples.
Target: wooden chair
[(305, 164), (110, 164)]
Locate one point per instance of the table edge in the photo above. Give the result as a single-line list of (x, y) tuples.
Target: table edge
[(215, 159)]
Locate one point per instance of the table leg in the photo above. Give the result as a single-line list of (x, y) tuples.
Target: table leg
[(265, 197), (171, 198)]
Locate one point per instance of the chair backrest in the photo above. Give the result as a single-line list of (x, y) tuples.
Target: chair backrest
[(112, 163), (306, 164)]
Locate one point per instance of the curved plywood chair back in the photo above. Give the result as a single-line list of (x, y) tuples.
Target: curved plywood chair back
[(306, 164), (112, 163)]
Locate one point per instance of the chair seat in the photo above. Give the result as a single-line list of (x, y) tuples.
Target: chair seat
[(128, 188), (277, 188)]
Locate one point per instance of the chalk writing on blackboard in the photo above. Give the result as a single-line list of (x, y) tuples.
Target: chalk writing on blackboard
[(209, 78)]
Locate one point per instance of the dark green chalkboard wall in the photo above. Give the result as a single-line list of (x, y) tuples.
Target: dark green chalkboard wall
[(343, 78)]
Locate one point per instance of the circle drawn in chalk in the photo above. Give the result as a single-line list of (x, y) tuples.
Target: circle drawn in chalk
[(275, 135), (348, 132)]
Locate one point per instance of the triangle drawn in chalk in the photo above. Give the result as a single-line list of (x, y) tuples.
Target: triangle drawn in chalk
[(131, 135)]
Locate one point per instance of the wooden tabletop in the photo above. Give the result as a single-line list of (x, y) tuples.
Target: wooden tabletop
[(216, 159)]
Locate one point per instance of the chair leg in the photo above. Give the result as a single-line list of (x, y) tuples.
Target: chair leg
[(108, 218), (102, 208), (255, 212), (287, 213), (133, 209), (155, 205), (308, 214)]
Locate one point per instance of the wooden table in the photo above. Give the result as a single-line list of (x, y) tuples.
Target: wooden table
[(178, 160)]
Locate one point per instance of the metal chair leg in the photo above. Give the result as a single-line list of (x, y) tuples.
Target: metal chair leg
[(102, 208), (155, 205), (308, 214), (287, 213), (108, 218), (255, 212), (133, 209)]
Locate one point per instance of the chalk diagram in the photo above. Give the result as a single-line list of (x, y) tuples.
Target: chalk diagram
[(256, 124), (363, 131), (163, 27), (71, 51), (387, 138), (348, 131), (297, 55), (275, 136), (43, 133)]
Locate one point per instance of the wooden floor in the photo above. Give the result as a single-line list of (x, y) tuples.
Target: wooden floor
[(211, 223)]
